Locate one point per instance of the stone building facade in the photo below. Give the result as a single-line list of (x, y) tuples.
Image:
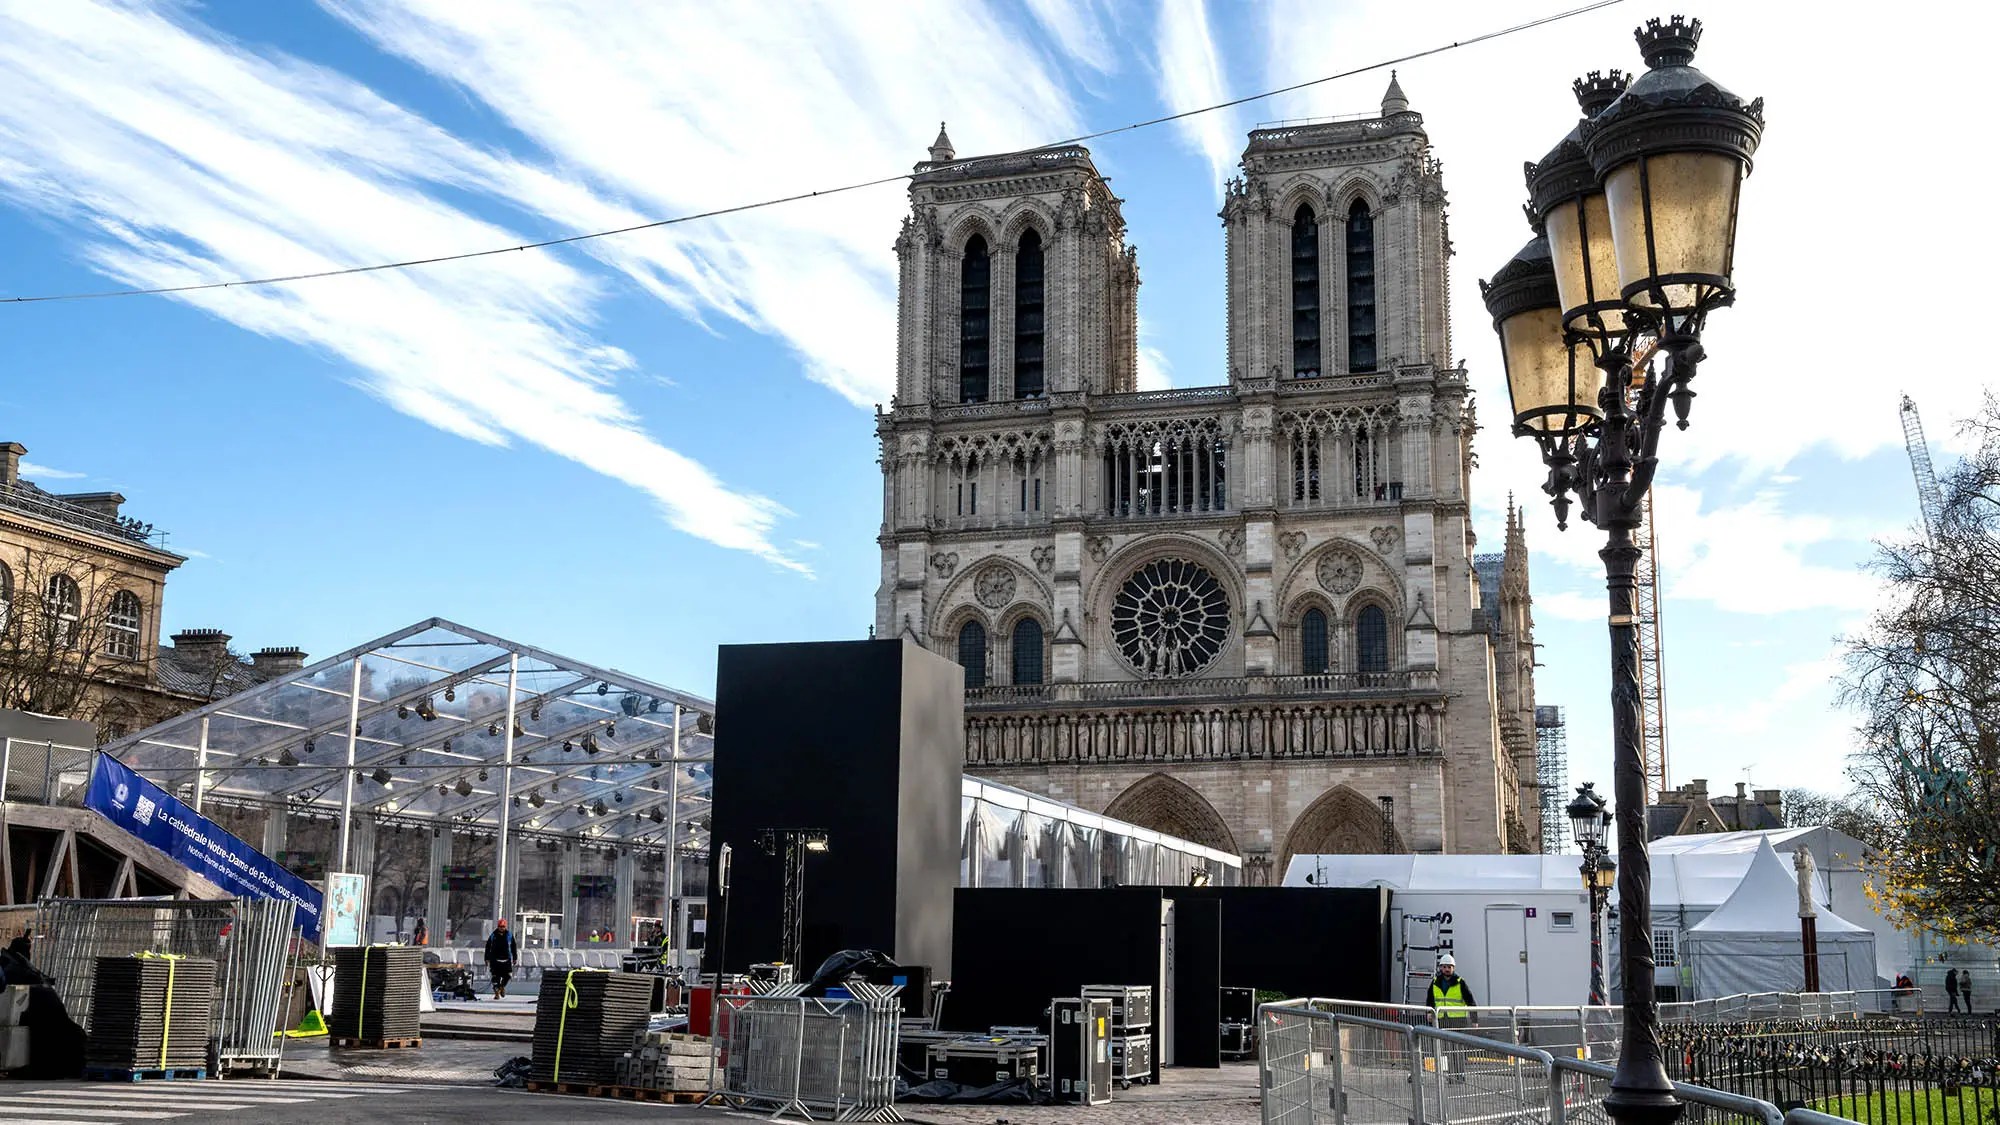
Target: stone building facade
[(81, 590), (1245, 614)]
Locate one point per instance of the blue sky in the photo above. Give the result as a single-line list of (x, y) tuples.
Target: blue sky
[(637, 448)]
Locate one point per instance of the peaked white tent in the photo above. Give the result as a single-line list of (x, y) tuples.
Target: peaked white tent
[(1751, 943)]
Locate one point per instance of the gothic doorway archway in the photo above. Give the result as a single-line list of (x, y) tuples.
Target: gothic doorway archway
[(1165, 805), (1341, 822)]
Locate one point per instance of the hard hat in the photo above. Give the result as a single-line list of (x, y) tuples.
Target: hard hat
[(1447, 962)]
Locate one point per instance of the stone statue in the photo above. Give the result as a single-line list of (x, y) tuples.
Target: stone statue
[(1802, 862)]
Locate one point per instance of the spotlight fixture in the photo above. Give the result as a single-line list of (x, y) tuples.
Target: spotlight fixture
[(309, 747), (568, 746), (598, 808), (425, 711), (815, 841), (535, 713), (287, 758), (611, 730), (463, 788), (262, 760), (359, 777), (517, 800), (555, 786), (447, 744), (656, 816), (493, 730), (535, 798), (704, 723), (482, 775), (618, 798), (450, 693), (653, 705), (443, 789), (518, 732), (590, 744), (382, 776), (603, 688), (402, 759)]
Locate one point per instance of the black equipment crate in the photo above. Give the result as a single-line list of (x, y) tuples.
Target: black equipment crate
[(1239, 1005), (1131, 1004), (1132, 1059), (1238, 1040), (1080, 1050), (985, 1062)]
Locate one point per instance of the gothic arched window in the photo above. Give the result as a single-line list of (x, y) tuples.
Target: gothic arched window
[(1371, 640), (972, 653), (1027, 651), (1360, 288), (1305, 293), (122, 626), (1312, 642), (62, 602), (975, 314), (1028, 379)]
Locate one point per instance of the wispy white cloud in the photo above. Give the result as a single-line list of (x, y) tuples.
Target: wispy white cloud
[(626, 97), (181, 157), (43, 472), (1156, 372), (1190, 76), (1078, 26)]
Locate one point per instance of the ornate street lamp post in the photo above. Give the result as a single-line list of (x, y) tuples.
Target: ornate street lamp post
[(1588, 821), (1600, 321)]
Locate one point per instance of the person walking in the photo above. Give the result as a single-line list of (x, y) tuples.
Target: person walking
[(422, 936), (1965, 990), (1449, 997), (1951, 987), (501, 952)]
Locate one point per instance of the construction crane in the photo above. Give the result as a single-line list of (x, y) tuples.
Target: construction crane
[(1652, 657), (1920, 465)]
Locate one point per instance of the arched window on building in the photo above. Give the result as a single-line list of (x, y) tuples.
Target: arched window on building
[(1371, 640), (1312, 642), (972, 653), (1360, 288), (1305, 293), (121, 637), (1027, 655), (1028, 379), (63, 602), (6, 596), (975, 316)]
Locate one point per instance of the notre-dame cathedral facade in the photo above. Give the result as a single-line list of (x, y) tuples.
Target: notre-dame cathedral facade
[(1247, 614)]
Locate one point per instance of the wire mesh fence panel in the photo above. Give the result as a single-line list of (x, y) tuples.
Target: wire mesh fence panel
[(811, 1056), (1378, 1063), (1287, 1058), (71, 934), (1471, 1079), (250, 995), (45, 773)]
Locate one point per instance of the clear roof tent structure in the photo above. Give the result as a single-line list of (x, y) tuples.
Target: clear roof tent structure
[(445, 725)]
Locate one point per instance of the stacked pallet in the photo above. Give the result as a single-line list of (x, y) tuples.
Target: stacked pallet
[(670, 1061), (585, 1022), (376, 993), (150, 1014)]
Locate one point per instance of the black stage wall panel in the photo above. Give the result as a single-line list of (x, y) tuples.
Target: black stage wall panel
[(1301, 941), (864, 740), (1015, 949), (1198, 979)]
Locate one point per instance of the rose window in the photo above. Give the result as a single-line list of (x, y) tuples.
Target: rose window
[(1170, 618)]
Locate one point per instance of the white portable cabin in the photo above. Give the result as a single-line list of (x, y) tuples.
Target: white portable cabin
[(1518, 925), (1753, 942)]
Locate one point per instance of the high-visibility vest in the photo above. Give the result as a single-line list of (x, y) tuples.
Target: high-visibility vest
[(1445, 997)]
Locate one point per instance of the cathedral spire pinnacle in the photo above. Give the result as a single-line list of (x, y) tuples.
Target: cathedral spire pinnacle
[(1394, 101), (941, 150)]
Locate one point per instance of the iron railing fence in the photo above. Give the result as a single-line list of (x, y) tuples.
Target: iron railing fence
[(250, 940), (41, 772), (1876, 1071)]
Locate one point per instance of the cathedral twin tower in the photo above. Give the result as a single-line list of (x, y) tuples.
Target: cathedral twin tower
[(1247, 614)]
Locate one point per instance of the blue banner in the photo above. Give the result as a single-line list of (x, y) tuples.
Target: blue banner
[(196, 842)]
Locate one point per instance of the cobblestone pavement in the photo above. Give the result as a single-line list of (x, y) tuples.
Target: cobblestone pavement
[(454, 1062), (1184, 1097)]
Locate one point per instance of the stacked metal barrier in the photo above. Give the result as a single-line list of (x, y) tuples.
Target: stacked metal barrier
[(791, 1053), (1332, 1067), (249, 939)]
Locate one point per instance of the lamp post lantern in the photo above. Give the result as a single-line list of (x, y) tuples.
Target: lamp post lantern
[(1589, 821), (1600, 321)]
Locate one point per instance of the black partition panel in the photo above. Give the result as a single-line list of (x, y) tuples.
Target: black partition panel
[(1015, 949), (1198, 981), (864, 740), (1302, 941)]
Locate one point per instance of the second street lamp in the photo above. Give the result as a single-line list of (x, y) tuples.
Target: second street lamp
[(1666, 157), (1588, 822)]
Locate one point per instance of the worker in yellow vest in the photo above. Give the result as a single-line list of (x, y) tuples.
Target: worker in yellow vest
[(1450, 996)]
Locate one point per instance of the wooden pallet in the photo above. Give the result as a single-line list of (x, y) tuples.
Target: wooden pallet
[(626, 1093), (377, 1044), (144, 1074)]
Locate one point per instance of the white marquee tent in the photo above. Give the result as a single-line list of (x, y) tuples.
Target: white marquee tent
[(1752, 943)]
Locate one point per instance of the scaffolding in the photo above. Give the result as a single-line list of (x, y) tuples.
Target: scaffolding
[(1652, 656), (1552, 772)]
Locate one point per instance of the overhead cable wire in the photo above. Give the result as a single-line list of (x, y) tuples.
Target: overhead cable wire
[(719, 212)]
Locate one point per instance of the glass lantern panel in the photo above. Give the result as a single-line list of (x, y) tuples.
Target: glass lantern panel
[(1552, 390), (1693, 205), (1586, 258)]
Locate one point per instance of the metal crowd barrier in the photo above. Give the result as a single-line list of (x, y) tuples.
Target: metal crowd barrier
[(811, 1056), (250, 940), (1327, 1066)]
